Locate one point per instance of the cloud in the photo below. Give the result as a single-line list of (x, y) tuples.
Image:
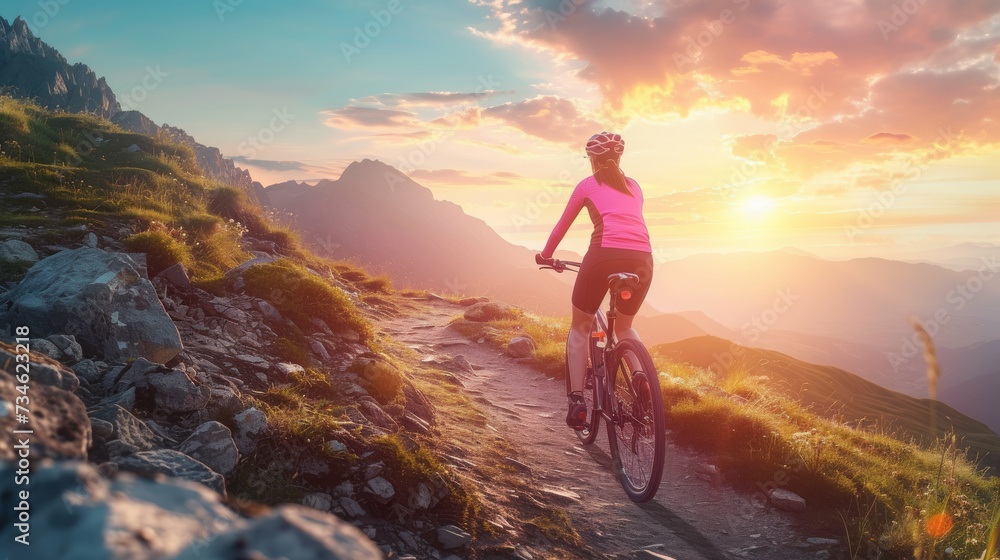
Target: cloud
[(548, 117), (355, 117), (889, 138), (430, 99), (764, 55)]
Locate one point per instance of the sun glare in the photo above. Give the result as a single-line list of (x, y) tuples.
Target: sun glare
[(758, 206)]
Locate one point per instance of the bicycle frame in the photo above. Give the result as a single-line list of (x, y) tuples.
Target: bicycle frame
[(606, 324)]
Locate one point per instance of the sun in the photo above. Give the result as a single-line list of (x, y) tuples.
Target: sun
[(758, 206)]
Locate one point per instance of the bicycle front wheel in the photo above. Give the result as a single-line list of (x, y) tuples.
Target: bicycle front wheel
[(636, 432)]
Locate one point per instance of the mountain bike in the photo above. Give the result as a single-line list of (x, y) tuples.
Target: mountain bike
[(622, 387)]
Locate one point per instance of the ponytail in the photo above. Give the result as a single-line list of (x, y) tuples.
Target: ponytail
[(608, 173)]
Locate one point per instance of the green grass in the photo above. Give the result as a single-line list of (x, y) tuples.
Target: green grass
[(301, 295), (162, 251), (549, 336)]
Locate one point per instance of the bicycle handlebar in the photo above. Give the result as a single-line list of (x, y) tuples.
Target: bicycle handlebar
[(556, 264)]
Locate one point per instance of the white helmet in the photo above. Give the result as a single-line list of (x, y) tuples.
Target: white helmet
[(604, 142)]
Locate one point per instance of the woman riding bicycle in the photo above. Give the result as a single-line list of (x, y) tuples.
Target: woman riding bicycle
[(620, 243)]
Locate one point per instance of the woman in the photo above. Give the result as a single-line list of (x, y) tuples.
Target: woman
[(620, 243)]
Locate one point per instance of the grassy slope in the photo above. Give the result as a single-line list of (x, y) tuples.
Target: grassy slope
[(867, 483), (835, 393), (156, 201)]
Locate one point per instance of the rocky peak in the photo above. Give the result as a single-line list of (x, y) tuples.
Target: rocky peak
[(30, 68), (375, 176)]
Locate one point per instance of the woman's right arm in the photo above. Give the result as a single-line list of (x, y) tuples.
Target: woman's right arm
[(572, 210)]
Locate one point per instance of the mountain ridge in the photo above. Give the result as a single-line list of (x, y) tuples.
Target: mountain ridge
[(31, 69)]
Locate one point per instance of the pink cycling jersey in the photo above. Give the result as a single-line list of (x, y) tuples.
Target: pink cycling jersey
[(617, 217)]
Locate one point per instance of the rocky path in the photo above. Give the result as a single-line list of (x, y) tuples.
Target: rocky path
[(694, 516)]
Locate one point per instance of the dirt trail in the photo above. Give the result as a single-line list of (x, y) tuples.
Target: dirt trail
[(692, 517)]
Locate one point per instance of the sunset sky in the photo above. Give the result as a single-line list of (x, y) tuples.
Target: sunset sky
[(839, 127)]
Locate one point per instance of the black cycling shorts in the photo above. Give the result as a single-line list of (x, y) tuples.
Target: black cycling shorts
[(599, 263)]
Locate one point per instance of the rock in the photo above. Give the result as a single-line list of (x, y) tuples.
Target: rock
[(212, 444), (462, 364), (490, 311), (650, 555), (71, 351), (418, 404), (374, 413), (101, 429), (345, 489), (415, 423), (374, 469), (224, 397), (288, 531), (172, 463), (319, 350), (819, 541), (128, 517), (287, 369), (90, 240), (58, 419), (521, 347), (318, 500), (16, 250), (51, 373), (89, 371), (250, 425), (420, 497), (126, 428), (102, 298), (786, 500), (175, 392), (351, 508), (125, 399), (270, 312), (45, 348), (449, 537), (380, 489), (176, 275), (134, 148), (136, 375), (336, 446)]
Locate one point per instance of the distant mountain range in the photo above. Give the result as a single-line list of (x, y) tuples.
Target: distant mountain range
[(852, 315), (866, 301), (377, 216), (31, 69), (837, 394)]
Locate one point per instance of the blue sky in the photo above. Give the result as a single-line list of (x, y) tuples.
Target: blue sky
[(751, 124)]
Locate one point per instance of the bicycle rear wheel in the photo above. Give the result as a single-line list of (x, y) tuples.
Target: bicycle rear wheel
[(636, 431)]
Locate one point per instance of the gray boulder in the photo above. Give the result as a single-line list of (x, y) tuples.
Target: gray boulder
[(17, 250), (380, 489), (89, 371), (176, 275), (174, 392), (449, 537), (70, 350), (521, 347), (133, 434), (132, 517), (212, 444), (102, 298), (250, 425), (787, 500), (289, 531), (44, 370), (172, 463), (77, 513), (57, 417)]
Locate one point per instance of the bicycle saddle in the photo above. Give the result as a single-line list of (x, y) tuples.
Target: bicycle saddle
[(620, 280)]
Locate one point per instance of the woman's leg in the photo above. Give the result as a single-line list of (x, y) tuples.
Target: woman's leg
[(623, 327), (577, 347)]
